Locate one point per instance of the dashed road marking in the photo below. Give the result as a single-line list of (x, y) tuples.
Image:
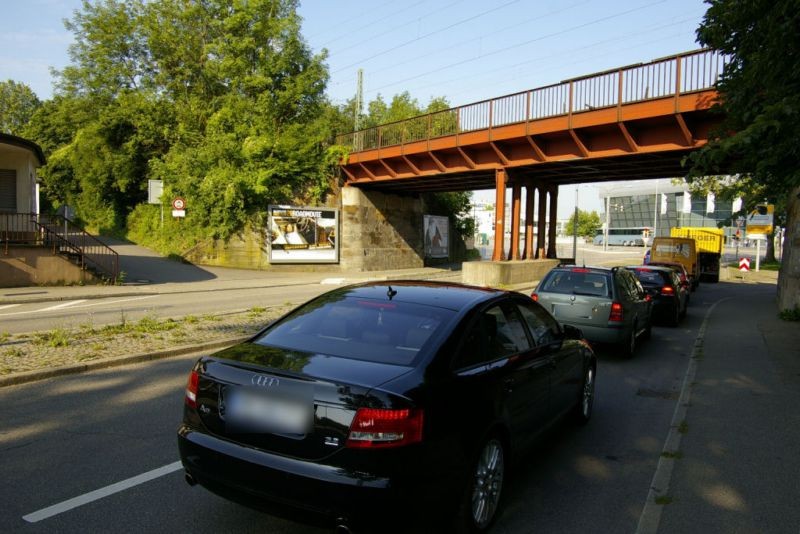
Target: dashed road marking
[(63, 305), (73, 304), (101, 493)]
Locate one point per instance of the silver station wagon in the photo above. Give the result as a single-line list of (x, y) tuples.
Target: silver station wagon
[(609, 305)]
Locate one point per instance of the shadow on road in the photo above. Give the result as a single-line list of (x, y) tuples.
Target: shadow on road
[(141, 265)]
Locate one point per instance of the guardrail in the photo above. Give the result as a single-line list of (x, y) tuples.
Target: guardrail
[(64, 236), (673, 76)]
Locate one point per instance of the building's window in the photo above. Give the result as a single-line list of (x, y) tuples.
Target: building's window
[(8, 190)]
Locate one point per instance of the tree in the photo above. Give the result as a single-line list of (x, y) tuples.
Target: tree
[(752, 193), (221, 99), (18, 103), (588, 224), (760, 105)]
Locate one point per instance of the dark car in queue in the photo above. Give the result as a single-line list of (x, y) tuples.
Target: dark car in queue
[(683, 274), (608, 305), (382, 401), (670, 295)]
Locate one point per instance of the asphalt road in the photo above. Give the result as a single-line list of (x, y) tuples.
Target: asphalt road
[(73, 437), (38, 316)]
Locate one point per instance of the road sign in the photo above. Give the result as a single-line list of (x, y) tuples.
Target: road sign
[(759, 221), (179, 213), (744, 264), (178, 203), (154, 190)]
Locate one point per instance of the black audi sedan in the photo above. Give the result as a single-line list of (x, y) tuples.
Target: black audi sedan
[(384, 401)]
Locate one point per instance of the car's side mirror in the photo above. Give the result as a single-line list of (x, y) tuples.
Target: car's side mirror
[(572, 332)]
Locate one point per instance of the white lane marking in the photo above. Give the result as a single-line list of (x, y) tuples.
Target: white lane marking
[(76, 305), (109, 302), (63, 305), (95, 495), (8, 306)]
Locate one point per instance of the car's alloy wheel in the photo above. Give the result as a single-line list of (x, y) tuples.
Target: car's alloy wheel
[(486, 486)]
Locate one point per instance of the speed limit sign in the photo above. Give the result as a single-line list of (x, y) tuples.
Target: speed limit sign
[(178, 203)]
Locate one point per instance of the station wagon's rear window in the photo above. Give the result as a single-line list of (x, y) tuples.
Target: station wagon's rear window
[(577, 282)]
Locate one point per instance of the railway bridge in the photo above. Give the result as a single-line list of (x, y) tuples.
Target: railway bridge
[(633, 122)]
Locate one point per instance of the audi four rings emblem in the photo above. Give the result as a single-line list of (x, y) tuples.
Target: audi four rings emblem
[(264, 381)]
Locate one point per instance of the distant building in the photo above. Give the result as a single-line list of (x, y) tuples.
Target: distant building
[(660, 205)]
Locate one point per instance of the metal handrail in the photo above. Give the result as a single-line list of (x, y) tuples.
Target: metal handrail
[(673, 76), (63, 235)]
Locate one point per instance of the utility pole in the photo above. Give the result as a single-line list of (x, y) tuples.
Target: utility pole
[(358, 140), (359, 99)]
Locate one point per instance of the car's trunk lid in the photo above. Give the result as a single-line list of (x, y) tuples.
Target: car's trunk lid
[(285, 401)]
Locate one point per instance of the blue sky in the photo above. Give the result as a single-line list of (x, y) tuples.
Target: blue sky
[(463, 50)]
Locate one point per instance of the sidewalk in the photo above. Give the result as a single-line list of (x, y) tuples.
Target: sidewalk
[(738, 463), (214, 279)]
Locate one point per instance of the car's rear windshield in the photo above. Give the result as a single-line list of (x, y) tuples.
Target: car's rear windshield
[(577, 282), (363, 329), (650, 277)]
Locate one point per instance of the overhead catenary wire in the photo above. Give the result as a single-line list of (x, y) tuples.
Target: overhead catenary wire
[(557, 56), (398, 27), (425, 36), (511, 47)]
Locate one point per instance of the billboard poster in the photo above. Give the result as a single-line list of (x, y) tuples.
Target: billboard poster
[(303, 234), (437, 240)]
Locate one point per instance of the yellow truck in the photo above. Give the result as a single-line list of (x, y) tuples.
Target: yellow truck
[(677, 250), (708, 244)]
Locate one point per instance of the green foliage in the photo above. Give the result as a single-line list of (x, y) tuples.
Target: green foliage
[(221, 100), (790, 315), (457, 206), (55, 338), (17, 105), (588, 224), (759, 93)]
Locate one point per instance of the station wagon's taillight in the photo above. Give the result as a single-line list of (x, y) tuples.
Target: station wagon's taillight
[(535, 297), (616, 313), (192, 386), (374, 428)]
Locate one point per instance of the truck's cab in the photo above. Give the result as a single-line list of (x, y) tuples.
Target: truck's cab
[(681, 250)]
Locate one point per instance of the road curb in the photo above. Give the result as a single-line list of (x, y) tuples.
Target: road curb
[(650, 518), (64, 370)]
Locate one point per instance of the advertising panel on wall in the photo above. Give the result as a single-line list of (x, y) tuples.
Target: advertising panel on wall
[(303, 234), (437, 239)]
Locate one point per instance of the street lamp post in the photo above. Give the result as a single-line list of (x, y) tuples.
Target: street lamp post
[(575, 230)]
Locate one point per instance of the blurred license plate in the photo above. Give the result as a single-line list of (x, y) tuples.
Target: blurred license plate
[(247, 410)]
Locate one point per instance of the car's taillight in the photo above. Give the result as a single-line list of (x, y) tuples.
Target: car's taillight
[(191, 389), (372, 428), (616, 312), (535, 297), (668, 291)]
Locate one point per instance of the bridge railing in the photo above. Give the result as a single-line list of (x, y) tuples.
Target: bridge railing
[(672, 76)]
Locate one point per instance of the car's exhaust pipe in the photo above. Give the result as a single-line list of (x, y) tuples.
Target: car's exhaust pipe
[(189, 479), (341, 526)]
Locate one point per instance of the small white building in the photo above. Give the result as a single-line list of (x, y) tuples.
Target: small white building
[(19, 183)]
